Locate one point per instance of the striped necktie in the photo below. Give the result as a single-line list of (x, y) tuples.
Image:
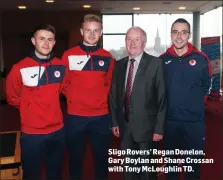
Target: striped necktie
[(128, 89)]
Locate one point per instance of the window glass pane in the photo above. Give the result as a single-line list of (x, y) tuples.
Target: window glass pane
[(158, 31), (115, 44), (155, 27), (116, 23), (211, 23)]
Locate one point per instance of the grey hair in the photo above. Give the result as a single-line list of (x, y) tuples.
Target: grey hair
[(139, 28)]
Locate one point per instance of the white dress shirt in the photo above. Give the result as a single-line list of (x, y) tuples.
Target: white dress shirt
[(136, 65)]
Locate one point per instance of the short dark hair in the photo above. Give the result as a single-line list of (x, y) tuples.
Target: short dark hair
[(47, 27), (181, 20)]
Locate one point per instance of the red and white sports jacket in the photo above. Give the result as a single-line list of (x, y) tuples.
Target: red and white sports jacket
[(88, 80), (33, 86)]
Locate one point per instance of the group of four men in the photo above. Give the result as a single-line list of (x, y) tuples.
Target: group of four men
[(140, 98)]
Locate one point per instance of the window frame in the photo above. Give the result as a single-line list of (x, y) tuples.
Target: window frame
[(114, 14)]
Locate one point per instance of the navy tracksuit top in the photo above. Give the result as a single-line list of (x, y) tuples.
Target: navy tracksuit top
[(189, 83)]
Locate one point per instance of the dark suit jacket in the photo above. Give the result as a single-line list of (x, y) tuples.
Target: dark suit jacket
[(148, 99)]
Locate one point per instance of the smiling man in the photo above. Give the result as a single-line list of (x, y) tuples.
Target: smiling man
[(189, 81), (87, 87), (138, 102), (33, 86)]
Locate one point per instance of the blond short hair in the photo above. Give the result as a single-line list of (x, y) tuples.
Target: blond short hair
[(92, 18)]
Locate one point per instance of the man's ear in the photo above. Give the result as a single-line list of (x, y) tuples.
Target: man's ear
[(189, 35), (33, 41), (54, 42), (101, 32), (144, 44), (82, 31)]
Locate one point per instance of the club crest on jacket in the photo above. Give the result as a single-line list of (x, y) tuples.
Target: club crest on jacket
[(192, 62)]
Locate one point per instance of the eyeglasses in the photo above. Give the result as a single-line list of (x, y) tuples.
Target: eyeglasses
[(182, 33)]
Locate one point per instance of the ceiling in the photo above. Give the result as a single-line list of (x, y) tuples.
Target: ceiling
[(109, 6)]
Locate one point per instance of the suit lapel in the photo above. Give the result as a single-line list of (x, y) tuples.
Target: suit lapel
[(123, 69), (140, 71)]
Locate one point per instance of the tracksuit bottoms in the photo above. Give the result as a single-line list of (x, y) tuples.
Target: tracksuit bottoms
[(98, 129), (185, 136), (39, 148)]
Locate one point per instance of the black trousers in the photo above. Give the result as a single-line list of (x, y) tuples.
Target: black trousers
[(185, 136), (37, 148), (98, 128), (128, 142)]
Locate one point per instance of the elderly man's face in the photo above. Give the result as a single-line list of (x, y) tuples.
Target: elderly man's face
[(135, 42)]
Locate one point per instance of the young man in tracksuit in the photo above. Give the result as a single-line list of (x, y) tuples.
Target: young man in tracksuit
[(87, 87), (33, 86), (189, 81)]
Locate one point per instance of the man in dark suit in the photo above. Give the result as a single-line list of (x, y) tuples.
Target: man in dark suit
[(138, 102)]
